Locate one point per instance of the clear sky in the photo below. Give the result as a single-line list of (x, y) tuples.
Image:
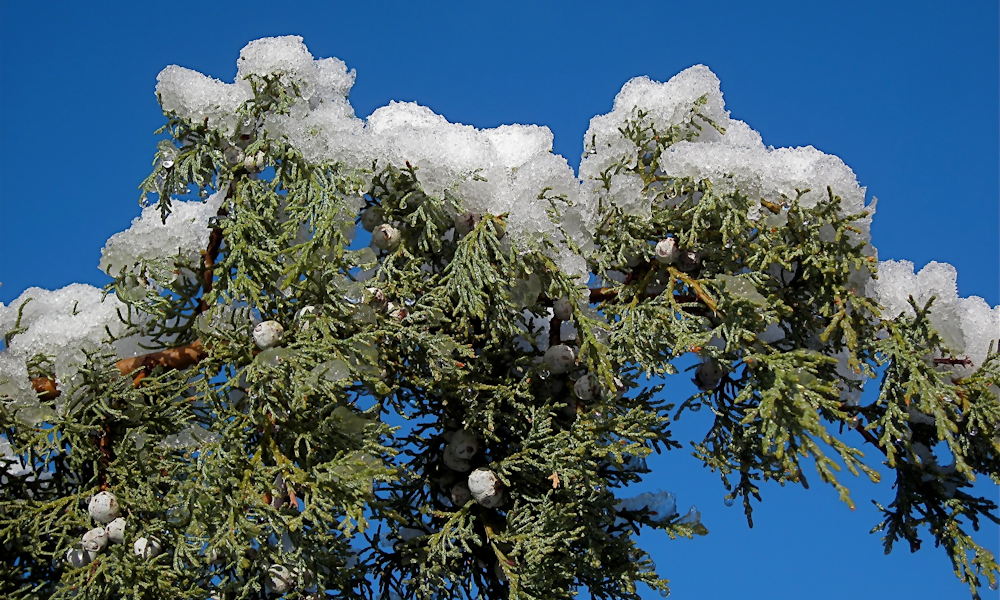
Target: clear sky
[(905, 92)]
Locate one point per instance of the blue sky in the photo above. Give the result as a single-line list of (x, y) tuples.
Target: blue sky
[(905, 92)]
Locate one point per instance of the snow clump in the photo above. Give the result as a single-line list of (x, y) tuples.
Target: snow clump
[(60, 324), (496, 171), (731, 155), (967, 325), (662, 506), (151, 241)]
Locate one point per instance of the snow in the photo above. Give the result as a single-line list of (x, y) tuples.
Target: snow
[(666, 104), (769, 173), (283, 54), (17, 466), (199, 98), (967, 325), (321, 124), (193, 436), (61, 324), (662, 505), (14, 381), (502, 170), (151, 241), (734, 160), (497, 170)]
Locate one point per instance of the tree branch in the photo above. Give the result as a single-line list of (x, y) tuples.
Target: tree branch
[(210, 255), (603, 294), (869, 437), (179, 357), (139, 367)]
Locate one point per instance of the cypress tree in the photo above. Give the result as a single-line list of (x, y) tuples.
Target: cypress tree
[(405, 358)]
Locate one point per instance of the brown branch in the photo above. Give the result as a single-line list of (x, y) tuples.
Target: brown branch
[(139, 367), (703, 296), (965, 362), (869, 436), (107, 455), (859, 426), (45, 388), (603, 294), (210, 255), (555, 326), (179, 357)]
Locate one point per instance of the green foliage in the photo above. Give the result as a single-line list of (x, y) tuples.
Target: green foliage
[(329, 454), (928, 494)]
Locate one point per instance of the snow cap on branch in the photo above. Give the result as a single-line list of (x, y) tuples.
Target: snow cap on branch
[(496, 171), (731, 155), (661, 505), (150, 240), (967, 325), (200, 98), (491, 171), (60, 324)]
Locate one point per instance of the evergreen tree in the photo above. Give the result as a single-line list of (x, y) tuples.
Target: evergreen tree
[(400, 357)]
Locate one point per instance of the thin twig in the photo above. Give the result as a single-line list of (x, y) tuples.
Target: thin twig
[(965, 362)]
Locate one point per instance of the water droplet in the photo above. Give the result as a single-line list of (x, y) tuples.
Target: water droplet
[(994, 585), (274, 357), (167, 164), (729, 501), (332, 370)]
